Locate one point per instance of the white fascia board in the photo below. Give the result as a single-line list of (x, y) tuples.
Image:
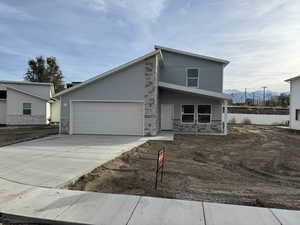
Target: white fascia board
[(25, 83), (161, 58), (293, 78), (110, 72), (110, 101), (195, 91), (225, 62)]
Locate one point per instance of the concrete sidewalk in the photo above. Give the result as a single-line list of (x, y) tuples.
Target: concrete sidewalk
[(65, 206)]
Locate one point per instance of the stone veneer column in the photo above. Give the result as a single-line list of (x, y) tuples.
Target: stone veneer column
[(151, 122), (64, 115)]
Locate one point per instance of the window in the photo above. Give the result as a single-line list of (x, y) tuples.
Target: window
[(188, 113), (3, 94), (297, 114), (192, 77), (204, 113), (26, 108)]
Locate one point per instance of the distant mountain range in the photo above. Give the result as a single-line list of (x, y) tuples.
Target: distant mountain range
[(239, 96)]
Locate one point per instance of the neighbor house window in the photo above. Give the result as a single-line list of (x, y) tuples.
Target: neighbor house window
[(188, 113), (26, 108), (3, 94), (192, 77), (204, 113), (297, 114)]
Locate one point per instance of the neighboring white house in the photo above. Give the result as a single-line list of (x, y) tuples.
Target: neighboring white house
[(294, 102), (26, 103)]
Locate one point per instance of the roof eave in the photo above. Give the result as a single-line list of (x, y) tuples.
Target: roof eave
[(196, 91), (209, 58), (26, 93), (293, 78), (25, 83)]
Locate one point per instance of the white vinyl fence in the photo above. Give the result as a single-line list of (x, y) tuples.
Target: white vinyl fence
[(259, 119)]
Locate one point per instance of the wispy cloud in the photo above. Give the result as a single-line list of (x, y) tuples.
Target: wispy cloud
[(7, 11), (134, 10), (99, 5), (260, 38)]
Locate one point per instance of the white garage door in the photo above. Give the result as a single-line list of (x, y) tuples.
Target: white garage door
[(107, 118)]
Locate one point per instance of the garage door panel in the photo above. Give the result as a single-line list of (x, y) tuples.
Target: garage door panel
[(107, 118)]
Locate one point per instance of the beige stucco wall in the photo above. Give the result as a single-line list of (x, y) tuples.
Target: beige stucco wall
[(15, 115), (55, 111)]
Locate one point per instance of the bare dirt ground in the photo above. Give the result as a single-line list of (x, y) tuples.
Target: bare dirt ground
[(253, 165), (12, 135)]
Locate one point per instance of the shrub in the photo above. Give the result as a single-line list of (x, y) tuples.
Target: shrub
[(232, 121), (247, 121)]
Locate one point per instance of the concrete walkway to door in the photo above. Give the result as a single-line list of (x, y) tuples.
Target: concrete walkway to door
[(56, 160)]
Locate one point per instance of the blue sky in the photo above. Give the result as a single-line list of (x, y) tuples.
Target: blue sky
[(88, 37)]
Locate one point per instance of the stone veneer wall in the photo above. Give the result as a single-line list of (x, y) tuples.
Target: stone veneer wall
[(216, 126), (151, 110), (64, 126), (64, 114)]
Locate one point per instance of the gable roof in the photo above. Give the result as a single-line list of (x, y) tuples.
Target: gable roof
[(110, 72), (293, 78), (197, 91), (25, 93), (225, 62), (50, 85)]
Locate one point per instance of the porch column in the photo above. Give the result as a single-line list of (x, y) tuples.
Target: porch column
[(225, 116)]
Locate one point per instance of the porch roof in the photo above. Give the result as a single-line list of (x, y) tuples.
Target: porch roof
[(196, 91)]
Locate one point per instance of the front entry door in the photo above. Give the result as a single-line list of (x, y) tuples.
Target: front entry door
[(166, 117)]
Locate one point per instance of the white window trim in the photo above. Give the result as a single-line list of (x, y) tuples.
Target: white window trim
[(188, 114), (27, 108), (205, 114), (186, 76)]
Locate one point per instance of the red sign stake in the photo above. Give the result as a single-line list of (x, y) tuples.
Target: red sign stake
[(160, 165)]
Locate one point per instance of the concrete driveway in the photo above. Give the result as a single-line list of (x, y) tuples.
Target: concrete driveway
[(55, 160)]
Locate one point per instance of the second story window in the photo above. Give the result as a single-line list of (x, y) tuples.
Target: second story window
[(192, 77)]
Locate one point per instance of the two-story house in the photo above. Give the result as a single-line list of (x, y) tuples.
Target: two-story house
[(166, 89)]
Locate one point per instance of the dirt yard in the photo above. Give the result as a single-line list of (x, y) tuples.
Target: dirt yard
[(11, 135), (253, 165)]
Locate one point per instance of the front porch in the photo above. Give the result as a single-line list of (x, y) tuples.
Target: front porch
[(191, 110)]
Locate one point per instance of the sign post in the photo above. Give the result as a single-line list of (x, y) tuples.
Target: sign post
[(160, 162)]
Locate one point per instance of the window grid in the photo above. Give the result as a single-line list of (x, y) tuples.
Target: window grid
[(204, 114), (196, 114), (26, 108), (183, 113), (191, 77)]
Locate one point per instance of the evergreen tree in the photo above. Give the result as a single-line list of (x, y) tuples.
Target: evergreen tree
[(45, 71)]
